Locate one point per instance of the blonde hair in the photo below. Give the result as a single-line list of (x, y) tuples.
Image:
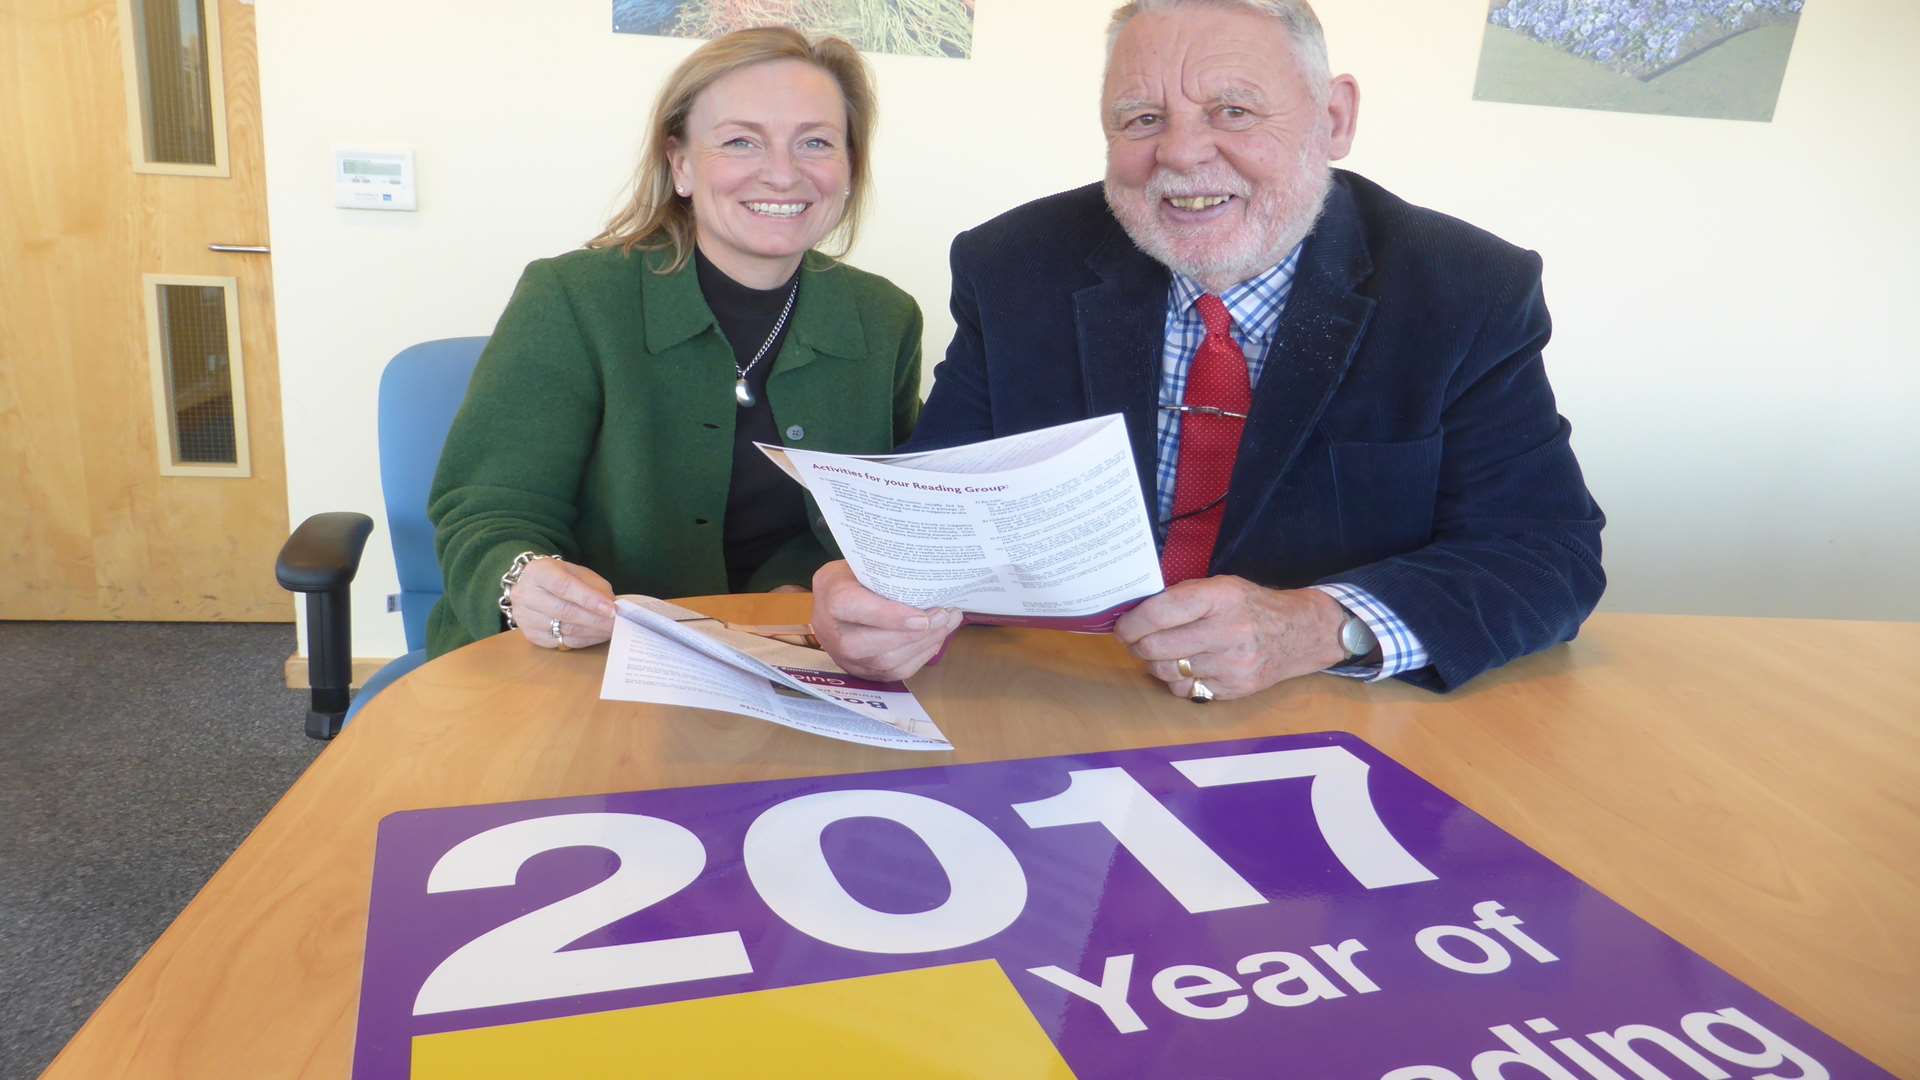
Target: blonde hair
[(655, 218)]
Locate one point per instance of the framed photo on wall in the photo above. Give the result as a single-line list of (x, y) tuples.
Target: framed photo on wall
[(1721, 59), (942, 28)]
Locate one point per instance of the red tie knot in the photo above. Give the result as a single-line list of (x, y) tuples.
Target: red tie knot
[(1214, 315)]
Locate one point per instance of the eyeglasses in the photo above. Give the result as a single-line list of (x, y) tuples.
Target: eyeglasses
[(791, 633), (1200, 410), (1204, 410), (1215, 501)]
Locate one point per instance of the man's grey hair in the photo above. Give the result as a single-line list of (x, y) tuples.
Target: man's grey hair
[(1309, 40)]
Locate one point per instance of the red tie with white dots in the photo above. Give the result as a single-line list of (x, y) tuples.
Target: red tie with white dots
[(1209, 444)]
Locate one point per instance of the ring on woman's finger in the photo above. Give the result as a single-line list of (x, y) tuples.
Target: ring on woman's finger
[(1186, 668), (1199, 694), (559, 638)]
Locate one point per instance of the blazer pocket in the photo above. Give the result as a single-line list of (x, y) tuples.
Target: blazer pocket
[(1385, 492)]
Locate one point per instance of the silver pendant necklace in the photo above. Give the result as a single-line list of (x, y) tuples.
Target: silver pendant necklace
[(742, 393)]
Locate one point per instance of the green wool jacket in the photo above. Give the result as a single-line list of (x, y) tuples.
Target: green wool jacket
[(599, 427)]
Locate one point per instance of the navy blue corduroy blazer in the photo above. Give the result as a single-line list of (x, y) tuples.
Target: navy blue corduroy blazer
[(1403, 437)]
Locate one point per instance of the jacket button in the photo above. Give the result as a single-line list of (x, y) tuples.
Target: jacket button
[(796, 432)]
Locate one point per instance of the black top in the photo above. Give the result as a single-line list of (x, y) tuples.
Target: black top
[(765, 508)]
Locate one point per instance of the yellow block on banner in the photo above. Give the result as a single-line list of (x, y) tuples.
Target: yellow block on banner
[(964, 1020)]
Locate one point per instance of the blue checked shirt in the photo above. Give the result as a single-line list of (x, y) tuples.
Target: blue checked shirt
[(1256, 306)]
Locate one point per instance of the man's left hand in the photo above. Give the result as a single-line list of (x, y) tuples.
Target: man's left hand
[(1239, 638)]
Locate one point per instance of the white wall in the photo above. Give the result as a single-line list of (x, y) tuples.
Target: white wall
[(1744, 403)]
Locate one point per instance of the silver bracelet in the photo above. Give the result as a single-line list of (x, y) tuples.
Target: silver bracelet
[(512, 577)]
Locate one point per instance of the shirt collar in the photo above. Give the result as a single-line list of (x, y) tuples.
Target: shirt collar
[(1255, 303)]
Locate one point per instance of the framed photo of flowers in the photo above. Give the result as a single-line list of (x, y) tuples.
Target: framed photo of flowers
[(913, 27), (1721, 59)]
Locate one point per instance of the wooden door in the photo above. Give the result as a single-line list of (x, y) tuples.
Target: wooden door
[(141, 465)]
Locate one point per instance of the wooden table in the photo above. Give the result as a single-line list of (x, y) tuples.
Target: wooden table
[(1750, 786)]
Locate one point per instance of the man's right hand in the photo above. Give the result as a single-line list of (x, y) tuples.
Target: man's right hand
[(871, 636)]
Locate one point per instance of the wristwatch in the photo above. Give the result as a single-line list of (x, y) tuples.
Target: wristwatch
[(1356, 637)]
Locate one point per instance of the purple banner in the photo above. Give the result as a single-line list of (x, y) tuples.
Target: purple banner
[(1296, 906)]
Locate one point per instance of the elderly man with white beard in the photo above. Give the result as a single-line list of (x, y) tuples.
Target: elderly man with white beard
[(1336, 399)]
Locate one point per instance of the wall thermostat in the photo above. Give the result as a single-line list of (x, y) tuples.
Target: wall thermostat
[(374, 180)]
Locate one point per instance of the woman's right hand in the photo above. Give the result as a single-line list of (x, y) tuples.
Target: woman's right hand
[(580, 599)]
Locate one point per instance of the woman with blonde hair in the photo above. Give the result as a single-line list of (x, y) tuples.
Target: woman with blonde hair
[(606, 440)]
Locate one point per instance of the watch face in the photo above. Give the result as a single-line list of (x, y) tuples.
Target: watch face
[(1355, 637)]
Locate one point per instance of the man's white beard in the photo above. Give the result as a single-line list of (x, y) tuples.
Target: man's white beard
[(1279, 220)]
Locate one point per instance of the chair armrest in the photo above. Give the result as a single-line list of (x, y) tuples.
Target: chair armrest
[(320, 559), (323, 554)]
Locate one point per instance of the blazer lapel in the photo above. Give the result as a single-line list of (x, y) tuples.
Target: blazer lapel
[(826, 348), (1311, 351), (1121, 326), (826, 318), (672, 305)]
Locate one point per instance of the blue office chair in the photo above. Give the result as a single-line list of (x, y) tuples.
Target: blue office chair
[(420, 392)]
